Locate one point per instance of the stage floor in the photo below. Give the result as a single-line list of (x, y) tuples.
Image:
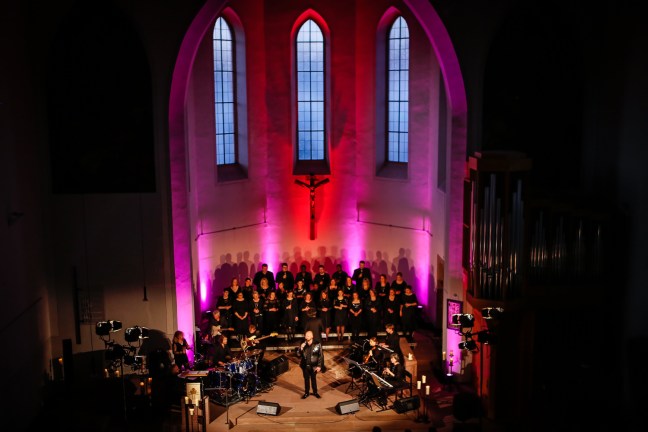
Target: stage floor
[(335, 386)]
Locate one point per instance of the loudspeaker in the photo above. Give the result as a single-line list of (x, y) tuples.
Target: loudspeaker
[(271, 408), (407, 404), (347, 407), (277, 366)]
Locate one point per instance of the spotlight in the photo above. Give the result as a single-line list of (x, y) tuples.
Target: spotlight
[(115, 352), (486, 337), (492, 312), (464, 320), (133, 334), (105, 327), (470, 345)]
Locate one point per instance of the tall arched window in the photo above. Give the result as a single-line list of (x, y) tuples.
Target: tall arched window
[(398, 92), (224, 94), (310, 67)]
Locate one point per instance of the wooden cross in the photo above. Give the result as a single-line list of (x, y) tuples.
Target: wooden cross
[(312, 185)]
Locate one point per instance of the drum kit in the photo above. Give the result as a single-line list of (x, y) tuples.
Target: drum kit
[(237, 380)]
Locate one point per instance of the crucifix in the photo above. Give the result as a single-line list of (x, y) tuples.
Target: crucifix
[(312, 184)]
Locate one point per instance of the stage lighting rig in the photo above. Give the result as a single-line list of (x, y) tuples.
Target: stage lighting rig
[(492, 312), (114, 352), (468, 344), (134, 334), (104, 328), (463, 320)]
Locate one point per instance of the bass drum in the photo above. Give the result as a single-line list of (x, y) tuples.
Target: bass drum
[(245, 384), (217, 380)]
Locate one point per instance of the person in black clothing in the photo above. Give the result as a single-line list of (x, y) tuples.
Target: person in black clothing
[(180, 347), (399, 284), (322, 279), (314, 324), (264, 273), (240, 315), (224, 305), (374, 359), (395, 372), (264, 289), (305, 276), (363, 290), (305, 305), (391, 309), (382, 287), (372, 312), (312, 361), (348, 288), (339, 276), (234, 288), (248, 289), (361, 273), (392, 340), (286, 277), (324, 307), (356, 307), (281, 291), (256, 310), (300, 290), (221, 354), (272, 311), (340, 311), (408, 311), (289, 307)]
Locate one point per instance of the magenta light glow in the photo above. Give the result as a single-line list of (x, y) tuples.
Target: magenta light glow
[(356, 246)]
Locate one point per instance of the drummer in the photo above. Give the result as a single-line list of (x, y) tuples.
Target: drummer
[(221, 353)]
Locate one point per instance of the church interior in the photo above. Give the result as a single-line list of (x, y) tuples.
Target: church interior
[(487, 152)]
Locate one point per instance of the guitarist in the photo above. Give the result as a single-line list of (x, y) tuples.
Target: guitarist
[(252, 338)]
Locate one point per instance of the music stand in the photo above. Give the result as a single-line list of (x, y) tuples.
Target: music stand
[(379, 398), (353, 364)]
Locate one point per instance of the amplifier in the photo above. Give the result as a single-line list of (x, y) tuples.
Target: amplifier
[(278, 365), (347, 407), (270, 408), (407, 404)]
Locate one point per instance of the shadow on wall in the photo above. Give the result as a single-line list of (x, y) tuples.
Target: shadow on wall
[(379, 262)]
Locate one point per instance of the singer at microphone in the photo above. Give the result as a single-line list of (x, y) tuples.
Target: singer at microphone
[(312, 361)]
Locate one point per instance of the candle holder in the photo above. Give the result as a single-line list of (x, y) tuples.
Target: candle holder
[(423, 417), (450, 363)]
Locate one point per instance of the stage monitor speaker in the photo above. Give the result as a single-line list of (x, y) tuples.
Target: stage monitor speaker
[(271, 408), (278, 365), (407, 404), (347, 407)]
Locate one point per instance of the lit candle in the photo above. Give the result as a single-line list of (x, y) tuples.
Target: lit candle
[(117, 373), (186, 400), (427, 390), (443, 356), (418, 385), (423, 379), (106, 375)]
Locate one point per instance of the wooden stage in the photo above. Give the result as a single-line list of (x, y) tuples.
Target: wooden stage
[(335, 386)]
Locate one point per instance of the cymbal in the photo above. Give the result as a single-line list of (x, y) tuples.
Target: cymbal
[(253, 352)]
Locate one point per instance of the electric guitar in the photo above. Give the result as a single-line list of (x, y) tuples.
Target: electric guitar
[(253, 340)]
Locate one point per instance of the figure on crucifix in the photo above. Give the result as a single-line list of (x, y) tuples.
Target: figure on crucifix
[(312, 184)]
